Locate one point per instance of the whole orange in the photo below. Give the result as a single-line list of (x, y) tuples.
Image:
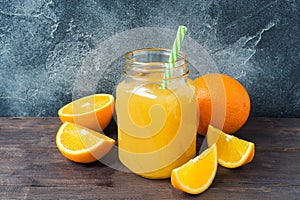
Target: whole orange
[(223, 102)]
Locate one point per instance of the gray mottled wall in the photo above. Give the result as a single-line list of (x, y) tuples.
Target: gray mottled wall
[(43, 43)]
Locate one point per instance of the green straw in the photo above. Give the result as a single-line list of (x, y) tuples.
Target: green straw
[(174, 54)]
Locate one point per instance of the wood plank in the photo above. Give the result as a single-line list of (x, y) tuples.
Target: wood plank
[(32, 167)]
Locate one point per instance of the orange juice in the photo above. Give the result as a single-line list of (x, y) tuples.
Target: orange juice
[(156, 127)]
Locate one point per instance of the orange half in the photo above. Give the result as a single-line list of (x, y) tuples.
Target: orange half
[(94, 112), (81, 144), (232, 151), (195, 176)]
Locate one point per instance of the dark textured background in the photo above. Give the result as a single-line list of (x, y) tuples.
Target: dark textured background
[(44, 42)]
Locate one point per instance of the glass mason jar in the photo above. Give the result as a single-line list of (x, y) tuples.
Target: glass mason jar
[(157, 125)]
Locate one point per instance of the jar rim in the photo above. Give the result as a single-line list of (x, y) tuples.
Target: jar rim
[(182, 58)]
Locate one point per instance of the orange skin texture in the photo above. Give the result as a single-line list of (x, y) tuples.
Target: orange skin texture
[(223, 102)]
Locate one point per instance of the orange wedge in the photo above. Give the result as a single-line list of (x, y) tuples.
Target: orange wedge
[(80, 144), (195, 176), (232, 151), (94, 112)]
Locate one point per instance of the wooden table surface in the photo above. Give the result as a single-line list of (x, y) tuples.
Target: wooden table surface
[(31, 167)]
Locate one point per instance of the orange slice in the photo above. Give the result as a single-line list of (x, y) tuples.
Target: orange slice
[(196, 175), (94, 112), (81, 144), (232, 151)]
